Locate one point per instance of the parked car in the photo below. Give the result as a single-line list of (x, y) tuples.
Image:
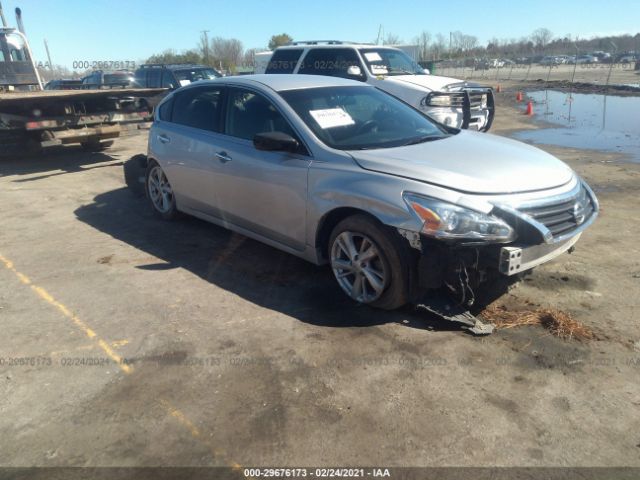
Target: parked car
[(482, 64), (172, 76), (63, 84), (629, 58), (586, 59), (448, 100), (550, 60), (338, 172), (100, 79)]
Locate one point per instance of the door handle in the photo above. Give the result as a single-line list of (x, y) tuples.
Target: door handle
[(163, 138), (223, 157)]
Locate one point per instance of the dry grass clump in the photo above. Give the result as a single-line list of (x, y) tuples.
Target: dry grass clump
[(557, 322)]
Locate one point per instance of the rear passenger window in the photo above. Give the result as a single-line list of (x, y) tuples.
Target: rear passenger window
[(198, 108), (332, 62), (153, 78), (141, 79), (167, 80), (164, 113), (284, 61)]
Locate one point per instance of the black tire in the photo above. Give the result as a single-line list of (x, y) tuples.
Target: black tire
[(96, 145), (135, 174), (399, 261), (172, 212)]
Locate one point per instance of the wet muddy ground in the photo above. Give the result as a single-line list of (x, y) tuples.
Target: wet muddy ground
[(608, 123)]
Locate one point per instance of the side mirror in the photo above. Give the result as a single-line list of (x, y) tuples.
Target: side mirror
[(354, 71), (275, 142)]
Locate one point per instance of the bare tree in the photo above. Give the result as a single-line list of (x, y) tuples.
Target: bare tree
[(203, 47), (439, 46), (249, 59), (423, 41), (392, 39), (541, 37), (227, 52)]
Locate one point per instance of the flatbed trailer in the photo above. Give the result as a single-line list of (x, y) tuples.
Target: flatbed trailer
[(32, 120)]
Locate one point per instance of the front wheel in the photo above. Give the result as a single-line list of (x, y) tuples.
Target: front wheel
[(159, 192), (371, 264)]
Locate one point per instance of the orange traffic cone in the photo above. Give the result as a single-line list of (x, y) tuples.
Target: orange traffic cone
[(519, 97), (529, 108)]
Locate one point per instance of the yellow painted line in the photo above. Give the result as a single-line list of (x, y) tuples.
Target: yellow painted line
[(195, 432), (47, 297), (171, 410), (181, 417)]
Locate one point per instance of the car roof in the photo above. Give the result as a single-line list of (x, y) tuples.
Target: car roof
[(331, 44), (172, 66), (283, 82)]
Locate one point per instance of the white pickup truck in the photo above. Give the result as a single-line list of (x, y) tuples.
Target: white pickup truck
[(449, 101)]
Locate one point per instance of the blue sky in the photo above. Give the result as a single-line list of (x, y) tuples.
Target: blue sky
[(133, 30)]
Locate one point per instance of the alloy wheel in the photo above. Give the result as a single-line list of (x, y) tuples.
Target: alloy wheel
[(160, 191), (358, 266)]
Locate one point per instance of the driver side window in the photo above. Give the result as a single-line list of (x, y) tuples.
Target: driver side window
[(249, 113)]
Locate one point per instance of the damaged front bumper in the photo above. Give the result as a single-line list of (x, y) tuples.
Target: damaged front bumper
[(545, 228), (515, 259)]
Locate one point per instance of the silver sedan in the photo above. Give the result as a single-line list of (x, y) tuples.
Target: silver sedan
[(336, 171)]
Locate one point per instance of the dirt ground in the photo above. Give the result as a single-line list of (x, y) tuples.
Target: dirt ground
[(128, 341)]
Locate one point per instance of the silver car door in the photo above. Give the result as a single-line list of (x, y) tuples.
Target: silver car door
[(264, 192), (190, 142)]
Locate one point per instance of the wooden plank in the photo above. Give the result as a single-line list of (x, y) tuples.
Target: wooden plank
[(12, 97)]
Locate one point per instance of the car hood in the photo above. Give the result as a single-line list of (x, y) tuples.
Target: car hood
[(431, 82), (470, 162)]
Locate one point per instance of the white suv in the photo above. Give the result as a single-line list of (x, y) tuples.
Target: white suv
[(449, 101)]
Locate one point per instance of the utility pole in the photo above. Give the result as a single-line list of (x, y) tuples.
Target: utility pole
[(4, 20), (206, 46), (19, 21), (450, 43), (46, 47)]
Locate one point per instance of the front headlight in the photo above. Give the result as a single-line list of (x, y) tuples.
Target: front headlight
[(450, 222), (437, 100)]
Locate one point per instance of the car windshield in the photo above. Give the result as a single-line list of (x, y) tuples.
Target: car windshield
[(387, 61), (118, 77), (358, 118), (195, 74)]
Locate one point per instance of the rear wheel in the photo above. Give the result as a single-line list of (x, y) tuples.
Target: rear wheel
[(135, 174), (159, 192), (371, 264)]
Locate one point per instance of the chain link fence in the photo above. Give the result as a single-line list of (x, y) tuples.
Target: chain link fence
[(618, 69)]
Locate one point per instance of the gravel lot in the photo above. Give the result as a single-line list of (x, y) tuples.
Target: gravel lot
[(128, 341)]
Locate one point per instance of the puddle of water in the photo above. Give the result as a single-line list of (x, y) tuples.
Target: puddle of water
[(589, 121)]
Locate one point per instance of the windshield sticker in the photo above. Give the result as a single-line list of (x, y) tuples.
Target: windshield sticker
[(379, 69), (184, 82), (373, 57), (332, 117)]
